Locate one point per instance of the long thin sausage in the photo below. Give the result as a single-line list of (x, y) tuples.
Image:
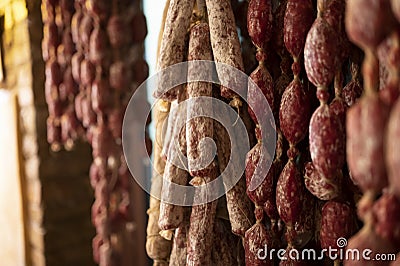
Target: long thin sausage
[(172, 49), (238, 204), (199, 128), (157, 247), (226, 46), (171, 215)]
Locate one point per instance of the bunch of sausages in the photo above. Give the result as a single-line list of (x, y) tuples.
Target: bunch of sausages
[(89, 81), (60, 88), (202, 234), (329, 70), (371, 125), (340, 148)]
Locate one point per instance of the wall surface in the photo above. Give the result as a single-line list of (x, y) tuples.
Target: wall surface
[(12, 245), (55, 186)]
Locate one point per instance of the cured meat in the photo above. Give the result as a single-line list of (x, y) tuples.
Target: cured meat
[(172, 49), (223, 34)]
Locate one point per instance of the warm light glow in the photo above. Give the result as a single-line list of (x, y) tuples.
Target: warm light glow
[(14, 11)]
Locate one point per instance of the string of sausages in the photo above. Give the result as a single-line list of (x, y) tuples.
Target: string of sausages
[(368, 128), (294, 114), (60, 87), (325, 51), (89, 81), (260, 31)]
